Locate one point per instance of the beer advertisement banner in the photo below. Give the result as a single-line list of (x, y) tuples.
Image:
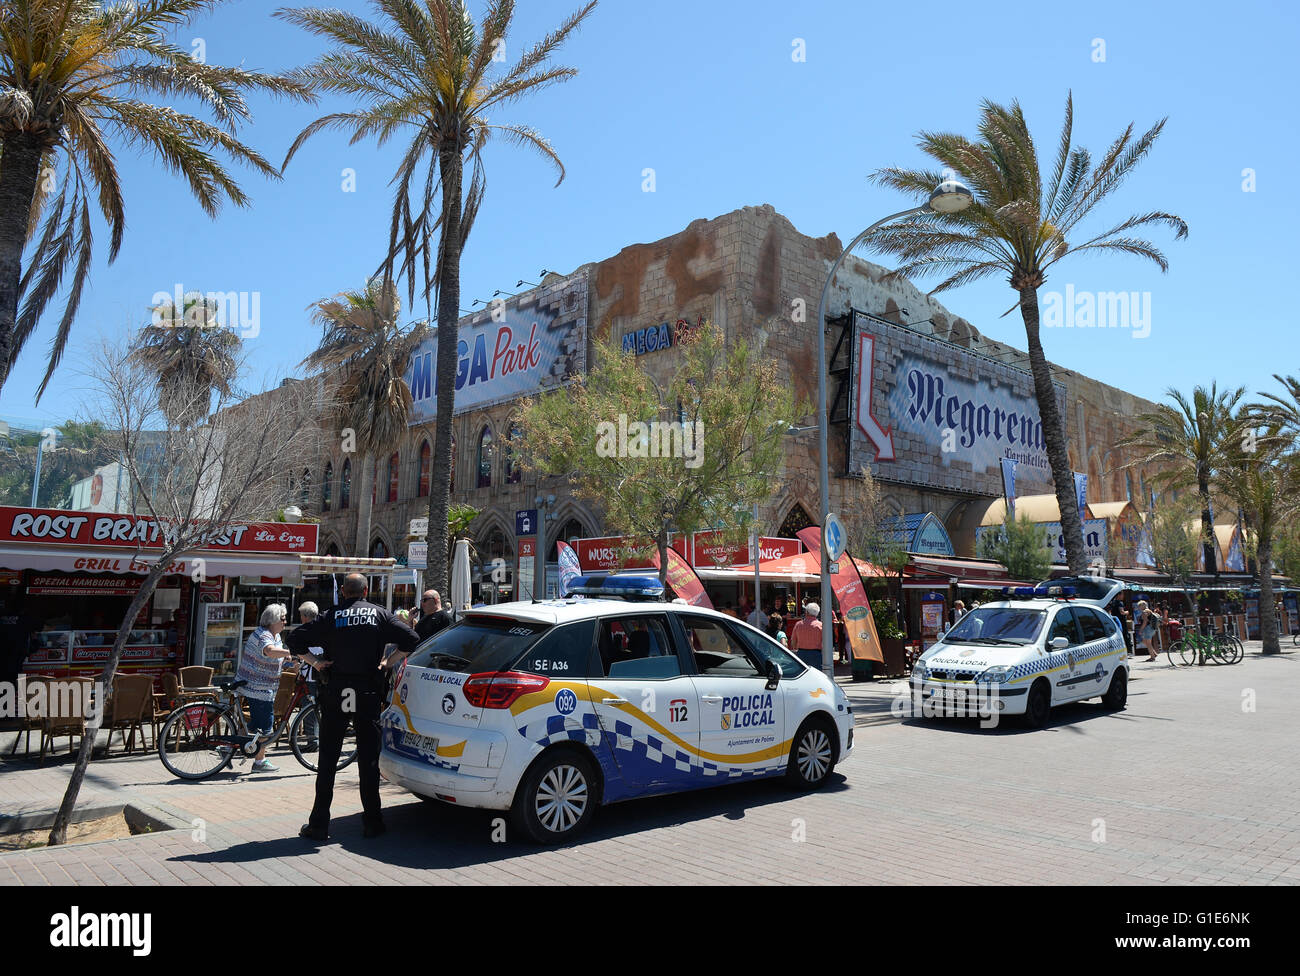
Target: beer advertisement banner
[(928, 412), (851, 594), (514, 348), (683, 580)]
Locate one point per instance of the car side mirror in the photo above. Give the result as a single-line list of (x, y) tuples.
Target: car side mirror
[(773, 675), (1059, 643)]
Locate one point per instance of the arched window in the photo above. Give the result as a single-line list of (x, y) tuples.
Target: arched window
[(485, 453), (378, 550), (305, 492), (392, 477), (327, 486), (570, 530), (345, 490), (796, 520), (514, 470), (422, 489), (333, 550)]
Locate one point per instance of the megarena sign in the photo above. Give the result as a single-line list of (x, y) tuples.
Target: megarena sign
[(532, 342), (930, 413)]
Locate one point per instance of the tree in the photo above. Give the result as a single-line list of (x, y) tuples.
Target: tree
[(73, 71), (423, 68), (694, 453), (72, 451), (189, 348), (874, 535), (1191, 441), (193, 482), (367, 348), (1019, 227), (1170, 528), (1020, 545)]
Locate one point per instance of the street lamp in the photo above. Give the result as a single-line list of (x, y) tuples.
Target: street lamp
[(948, 197)]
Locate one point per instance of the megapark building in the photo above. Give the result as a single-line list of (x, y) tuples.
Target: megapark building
[(905, 374)]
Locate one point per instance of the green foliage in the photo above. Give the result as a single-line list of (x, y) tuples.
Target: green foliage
[(1020, 545), (886, 620), (695, 451), (189, 348), (78, 450), (1173, 528)]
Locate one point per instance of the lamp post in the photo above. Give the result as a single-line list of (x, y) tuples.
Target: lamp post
[(948, 197)]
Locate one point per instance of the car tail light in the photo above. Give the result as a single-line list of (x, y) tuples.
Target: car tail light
[(500, 689)]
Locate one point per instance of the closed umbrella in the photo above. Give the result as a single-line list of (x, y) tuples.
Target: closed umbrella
[(460, 582)]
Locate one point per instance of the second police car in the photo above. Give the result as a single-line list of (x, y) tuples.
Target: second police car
[(550, 709), (1042, 647)]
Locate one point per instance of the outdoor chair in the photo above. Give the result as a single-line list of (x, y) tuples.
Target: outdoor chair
[(53, 725), (284, 698), (27, 724), (196, 676), (132, 693)]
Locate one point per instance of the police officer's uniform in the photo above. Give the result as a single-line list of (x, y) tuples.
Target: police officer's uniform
[(354, 635)]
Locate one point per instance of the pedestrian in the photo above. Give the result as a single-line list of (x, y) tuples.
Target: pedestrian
[(353, 635), (776, 629), (958, 611), (259, 665), (16, 630), (432, 617), (1146, 627), (807, 636), (757, 618), (307, 612)]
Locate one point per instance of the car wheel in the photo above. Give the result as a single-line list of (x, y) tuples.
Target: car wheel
[(557, 798), (1116, 696), (812, 755), (1039, 705)]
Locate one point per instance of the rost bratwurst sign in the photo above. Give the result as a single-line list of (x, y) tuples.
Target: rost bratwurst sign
[(515, 348), (928, 412), (96, 530)]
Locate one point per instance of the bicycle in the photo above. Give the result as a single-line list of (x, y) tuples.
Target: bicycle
[(1208, 649), (201, 738)]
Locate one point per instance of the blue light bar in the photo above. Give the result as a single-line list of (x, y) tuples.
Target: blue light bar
[(1042, 590), (625, 587)]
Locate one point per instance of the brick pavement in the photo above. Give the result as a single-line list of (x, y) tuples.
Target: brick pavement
[(1184, 787)]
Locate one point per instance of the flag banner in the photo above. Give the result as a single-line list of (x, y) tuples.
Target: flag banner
[(851, 594), (1009, 485), (569, 568), (684, 581), (1081, 491)]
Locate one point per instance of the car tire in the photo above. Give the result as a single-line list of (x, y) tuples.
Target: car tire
[(556, 798), (1116, 696), (813, 754), (1038, 706)]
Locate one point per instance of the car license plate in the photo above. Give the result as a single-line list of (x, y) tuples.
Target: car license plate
[(420, 743)]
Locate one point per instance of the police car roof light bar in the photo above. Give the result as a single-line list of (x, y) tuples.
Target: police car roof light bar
[(1029, 592), (621, 587)]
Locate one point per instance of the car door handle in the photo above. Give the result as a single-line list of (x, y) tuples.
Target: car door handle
[(711, 699), (613, 701)]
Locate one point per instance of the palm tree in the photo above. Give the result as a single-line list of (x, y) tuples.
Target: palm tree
[(422, 68), (72, 71), (364, 344), (191, 353), (1191, 440), (1282, 412), (1019, 228)]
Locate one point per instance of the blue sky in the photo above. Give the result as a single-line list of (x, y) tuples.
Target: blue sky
[(709, 96)]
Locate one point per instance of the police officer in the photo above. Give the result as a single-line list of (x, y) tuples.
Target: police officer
[(353, 635)]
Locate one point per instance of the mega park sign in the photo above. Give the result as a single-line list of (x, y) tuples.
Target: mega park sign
[(930, 413), (534, 341)]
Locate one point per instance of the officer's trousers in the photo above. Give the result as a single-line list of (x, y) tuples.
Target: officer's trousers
[(344, 699)]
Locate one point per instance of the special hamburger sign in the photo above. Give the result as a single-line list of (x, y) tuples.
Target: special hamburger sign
[(134, 532)]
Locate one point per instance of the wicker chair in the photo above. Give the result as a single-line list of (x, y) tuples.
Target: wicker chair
[(26, 725), (132, 693), (196, 676)]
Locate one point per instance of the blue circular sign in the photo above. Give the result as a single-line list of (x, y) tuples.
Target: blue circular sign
[(836, 538), (566, 701)]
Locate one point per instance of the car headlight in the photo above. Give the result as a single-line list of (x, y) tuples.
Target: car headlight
[(919, 670), (996, 676)]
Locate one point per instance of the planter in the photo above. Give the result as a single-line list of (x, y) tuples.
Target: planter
[(895, 665)]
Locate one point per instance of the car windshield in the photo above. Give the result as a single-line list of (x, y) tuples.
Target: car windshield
[(997, 625), (480, 642)]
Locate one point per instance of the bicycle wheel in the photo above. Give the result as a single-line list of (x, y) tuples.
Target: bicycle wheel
[(1238, 650), (299, 739), (186, 744), (1187, 652), (1218, 652)]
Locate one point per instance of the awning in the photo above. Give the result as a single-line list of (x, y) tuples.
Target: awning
[(992, 584), (348, 564), (115, 561)]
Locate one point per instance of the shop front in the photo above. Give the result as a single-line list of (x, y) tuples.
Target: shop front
[(75, 574)]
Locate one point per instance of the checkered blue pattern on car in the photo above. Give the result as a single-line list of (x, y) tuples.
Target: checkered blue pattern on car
[(557, 728)]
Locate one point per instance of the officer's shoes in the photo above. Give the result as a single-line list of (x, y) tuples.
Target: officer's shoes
[(373, 830), (308, 832)]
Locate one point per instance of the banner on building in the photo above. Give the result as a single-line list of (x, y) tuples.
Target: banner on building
[(1081, 491), (1009, 486), (59, 527), (535, 341), (1095, 539), (933, 413), (851, 594)]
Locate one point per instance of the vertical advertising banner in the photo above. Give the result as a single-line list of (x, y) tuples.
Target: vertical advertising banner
[(1009, 486), (685, 583), (851, 594), (569, 568)]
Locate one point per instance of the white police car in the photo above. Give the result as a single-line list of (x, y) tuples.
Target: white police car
[(1045, 646), (549, 709)]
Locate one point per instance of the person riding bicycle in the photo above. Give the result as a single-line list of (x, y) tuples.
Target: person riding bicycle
[(353, 635), (259, 665)]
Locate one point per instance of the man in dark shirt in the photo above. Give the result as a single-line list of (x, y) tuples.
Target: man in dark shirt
[(353, 635), (432, 617), (16, 629)]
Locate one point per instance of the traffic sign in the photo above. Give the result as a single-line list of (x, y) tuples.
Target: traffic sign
[(834, 537), (526, 521), (419, 526), (417, 555)]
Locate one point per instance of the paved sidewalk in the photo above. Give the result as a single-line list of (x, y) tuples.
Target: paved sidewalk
[(1195, 783)]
